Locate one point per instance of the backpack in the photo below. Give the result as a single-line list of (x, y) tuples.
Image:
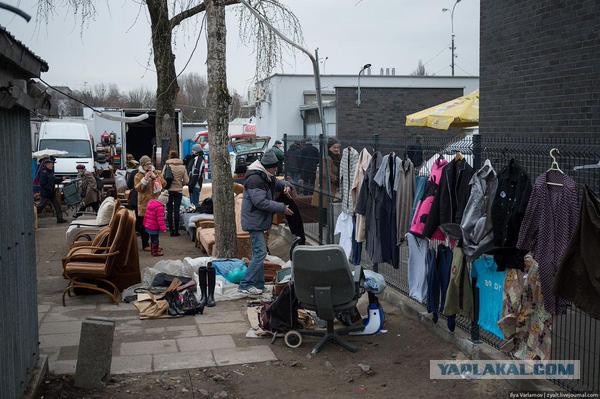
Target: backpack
[(169, 177), (282, 314)]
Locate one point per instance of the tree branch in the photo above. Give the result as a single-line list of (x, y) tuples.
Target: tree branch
[(190, 12)]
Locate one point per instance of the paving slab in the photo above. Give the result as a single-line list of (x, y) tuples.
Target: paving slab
[(205, 343), (131, 364), (121, 307), (185, 360), (62, 366), (224, 328), (60, 327), (221, 317), (55, 317), (52, 353), (251, 354), (54, 340), (148, 347), (68, 352), (43, 308)]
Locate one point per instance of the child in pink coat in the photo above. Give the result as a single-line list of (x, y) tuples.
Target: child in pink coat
[(154, 223)]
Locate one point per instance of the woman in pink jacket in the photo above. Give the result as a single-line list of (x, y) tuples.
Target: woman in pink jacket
[(154, 223)]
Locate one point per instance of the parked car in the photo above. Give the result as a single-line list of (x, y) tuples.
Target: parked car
[(248, 150)]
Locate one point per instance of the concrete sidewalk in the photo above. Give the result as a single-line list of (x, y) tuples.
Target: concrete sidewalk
[(216, 338)]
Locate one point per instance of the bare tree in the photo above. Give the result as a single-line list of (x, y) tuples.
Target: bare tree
[(420, 71), (192, 96), (235, 109), (268, 50)]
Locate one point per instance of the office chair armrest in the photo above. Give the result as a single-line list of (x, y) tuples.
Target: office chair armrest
[(359, 279)]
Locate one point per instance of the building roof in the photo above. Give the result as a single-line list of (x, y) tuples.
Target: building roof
[(18, 57), (300, 75)]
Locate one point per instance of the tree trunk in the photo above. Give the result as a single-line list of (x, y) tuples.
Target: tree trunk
[(218, 101), (164, 61)]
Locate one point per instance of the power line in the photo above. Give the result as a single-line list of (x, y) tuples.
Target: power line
[(68, 95), (435, 56), (440, 70), (462, 69)]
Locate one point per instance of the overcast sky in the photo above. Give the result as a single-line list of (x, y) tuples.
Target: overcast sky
[(385, 33)]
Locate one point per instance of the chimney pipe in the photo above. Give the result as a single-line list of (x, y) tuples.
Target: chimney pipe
[(393, 71), (387, 71)]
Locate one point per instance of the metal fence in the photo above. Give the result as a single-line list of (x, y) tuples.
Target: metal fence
[(18, 308), (575, 335)]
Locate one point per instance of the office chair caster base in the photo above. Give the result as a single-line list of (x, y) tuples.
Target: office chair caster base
[(293, 339)]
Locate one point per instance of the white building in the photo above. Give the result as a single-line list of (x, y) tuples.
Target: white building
[(284, 102)]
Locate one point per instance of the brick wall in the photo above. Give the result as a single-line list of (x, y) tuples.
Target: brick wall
[(540, 67), (383, 110)]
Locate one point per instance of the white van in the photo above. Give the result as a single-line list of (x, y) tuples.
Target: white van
[(73, 138)]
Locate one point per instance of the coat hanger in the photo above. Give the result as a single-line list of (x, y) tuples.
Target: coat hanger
[(590, 166), (554, 166)]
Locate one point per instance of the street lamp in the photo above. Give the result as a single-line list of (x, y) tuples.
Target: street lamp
[(365, 67), (452, 23), (323, 61)]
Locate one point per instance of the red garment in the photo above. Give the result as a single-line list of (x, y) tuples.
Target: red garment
[(424, 207), (154, 219)]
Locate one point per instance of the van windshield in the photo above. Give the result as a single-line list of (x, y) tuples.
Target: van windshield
[(74, 148)]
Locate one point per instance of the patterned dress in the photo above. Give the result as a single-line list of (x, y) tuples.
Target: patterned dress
[(548, 225)]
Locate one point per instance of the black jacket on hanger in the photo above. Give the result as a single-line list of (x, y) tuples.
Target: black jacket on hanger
[(452, 196), (508, 209)]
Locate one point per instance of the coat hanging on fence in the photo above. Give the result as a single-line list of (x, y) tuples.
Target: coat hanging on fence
[(388, 180), (459, 297), (424, 207), (477, 220), (548, 226), (404, 198), (348, 167), (508, 209), (418, 248), (420, 184), (363, 163), (321, 184), (366, 206), (578, 278), (451, 198)]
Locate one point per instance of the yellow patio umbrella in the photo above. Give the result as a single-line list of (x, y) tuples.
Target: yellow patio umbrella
[(460, 112)]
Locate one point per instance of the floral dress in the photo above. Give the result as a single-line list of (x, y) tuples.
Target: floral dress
[(526, 323)]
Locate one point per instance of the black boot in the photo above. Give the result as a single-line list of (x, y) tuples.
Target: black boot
[(203, 286), (211, 275)]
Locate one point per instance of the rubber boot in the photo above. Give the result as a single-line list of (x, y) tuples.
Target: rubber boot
[(156, 251), (211, 275), (203, 286)]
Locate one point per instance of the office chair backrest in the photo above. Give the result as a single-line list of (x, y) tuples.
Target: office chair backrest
[(322, 266)]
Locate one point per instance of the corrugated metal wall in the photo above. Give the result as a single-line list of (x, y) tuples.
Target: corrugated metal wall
[(18, 283)]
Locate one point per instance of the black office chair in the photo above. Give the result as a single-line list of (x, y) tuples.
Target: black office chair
[(324, 282)]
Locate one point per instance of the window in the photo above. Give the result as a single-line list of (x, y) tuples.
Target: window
[(74, 148)]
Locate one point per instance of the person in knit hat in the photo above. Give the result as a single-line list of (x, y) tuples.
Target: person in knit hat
[(149, 184), (258, 207), (195, 172)]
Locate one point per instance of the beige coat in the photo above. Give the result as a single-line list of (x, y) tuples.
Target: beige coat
[(180, 175), (361, 220), (146, 190), (334, 174)]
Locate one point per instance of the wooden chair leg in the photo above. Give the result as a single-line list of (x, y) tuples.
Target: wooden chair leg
[(115, 295)]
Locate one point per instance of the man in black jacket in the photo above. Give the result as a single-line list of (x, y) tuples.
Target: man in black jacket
[(195, 169), (47, 191)]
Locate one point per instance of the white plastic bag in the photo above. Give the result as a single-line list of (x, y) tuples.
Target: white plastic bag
[(171, 267)]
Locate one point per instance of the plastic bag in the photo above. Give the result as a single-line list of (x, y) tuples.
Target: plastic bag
[(120, 181), (196, 263), (171, 267), (374, 282)]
